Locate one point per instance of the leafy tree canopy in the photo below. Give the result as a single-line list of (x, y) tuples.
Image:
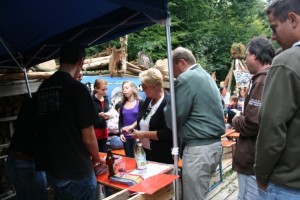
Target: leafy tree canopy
[(208, 28)]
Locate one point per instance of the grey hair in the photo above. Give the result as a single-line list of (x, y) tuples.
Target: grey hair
[(183, 53), (281, 8)]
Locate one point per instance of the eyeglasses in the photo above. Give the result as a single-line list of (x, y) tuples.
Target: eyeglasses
[(147, 113)]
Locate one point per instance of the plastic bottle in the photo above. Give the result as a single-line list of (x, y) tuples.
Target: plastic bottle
[(140, 157), (110, 161)]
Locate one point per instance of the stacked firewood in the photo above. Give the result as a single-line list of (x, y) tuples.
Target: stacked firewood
[(112, 61)]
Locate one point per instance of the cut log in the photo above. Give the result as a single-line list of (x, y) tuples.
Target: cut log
[(124, 42), (20, 76), (162, 66), (91, 60), (133, 70), (114, 60), (47, 66), (133, 66), (95, 65), (143, 67)]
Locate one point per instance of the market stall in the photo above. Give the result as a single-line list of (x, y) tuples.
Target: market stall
[(33, 34)]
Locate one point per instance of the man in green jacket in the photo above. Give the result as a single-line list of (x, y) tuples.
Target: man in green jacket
[(200, 123), (277, 164)]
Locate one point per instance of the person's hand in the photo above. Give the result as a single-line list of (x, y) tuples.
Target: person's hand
[(99, 169), (104, 116), (136, 134), (261, 185), (101, 114), (122, 137), (127, 129), (102, 161), (98, 161)]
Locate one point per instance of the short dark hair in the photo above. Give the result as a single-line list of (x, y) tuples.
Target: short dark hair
[(71, 52), (262, 48), (281, 8)]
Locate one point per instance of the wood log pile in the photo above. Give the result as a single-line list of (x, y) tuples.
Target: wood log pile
[(115, 64)]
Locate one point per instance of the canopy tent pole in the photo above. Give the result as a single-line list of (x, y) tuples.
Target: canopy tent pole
[(23, 69), (173, 109)]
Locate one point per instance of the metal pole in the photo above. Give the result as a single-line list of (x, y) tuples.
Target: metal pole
[(172, 92), (27, 83), (23, 69)]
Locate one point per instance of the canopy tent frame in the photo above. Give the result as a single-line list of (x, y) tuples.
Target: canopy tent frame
[(53, 53), (18, 66), (175, 149)]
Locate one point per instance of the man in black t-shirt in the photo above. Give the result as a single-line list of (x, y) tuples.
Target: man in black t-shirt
[(65, 139), (20, 165)]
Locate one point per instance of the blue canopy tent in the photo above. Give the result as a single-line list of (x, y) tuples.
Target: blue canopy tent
[(32, 31)]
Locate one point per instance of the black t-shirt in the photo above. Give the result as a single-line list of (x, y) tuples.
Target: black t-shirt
[(63, 107), (22, 139)]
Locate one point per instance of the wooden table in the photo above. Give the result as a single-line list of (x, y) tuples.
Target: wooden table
[(130, 165)]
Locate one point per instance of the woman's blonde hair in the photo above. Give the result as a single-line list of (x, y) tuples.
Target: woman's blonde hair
[(151, 76), (134, 89), (97, 84)]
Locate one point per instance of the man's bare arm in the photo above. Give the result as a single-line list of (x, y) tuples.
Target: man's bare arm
[(90, 141)]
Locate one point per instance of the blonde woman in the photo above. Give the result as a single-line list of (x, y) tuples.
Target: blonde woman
[(129, 110), (150, 126), (102, 106)]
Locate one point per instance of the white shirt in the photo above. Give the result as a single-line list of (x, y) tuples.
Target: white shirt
[(144, 123), (296, 44)]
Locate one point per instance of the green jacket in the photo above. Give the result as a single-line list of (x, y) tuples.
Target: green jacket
[(199, 113), (278, 142)]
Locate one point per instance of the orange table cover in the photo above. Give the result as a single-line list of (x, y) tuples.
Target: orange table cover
[(153, 183)]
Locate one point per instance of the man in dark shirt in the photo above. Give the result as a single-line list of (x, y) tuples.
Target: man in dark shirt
[(277, 162), (65, 139), (20, 165), (259, 56)]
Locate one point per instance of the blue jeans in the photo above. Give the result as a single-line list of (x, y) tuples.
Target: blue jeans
[(248, 189), (28, 183), (74, 189), (277, 192), (129, 147)]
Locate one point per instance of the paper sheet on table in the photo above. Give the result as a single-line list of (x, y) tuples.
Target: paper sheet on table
[(152, 169), (154, 183)]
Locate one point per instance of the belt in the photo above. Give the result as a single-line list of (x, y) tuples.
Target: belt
[(20, 156)]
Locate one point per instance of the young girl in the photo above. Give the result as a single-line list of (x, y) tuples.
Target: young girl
[(128, 114), (102, 105)]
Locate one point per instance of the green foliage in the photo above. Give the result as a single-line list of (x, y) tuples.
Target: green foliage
[(208, 28)]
